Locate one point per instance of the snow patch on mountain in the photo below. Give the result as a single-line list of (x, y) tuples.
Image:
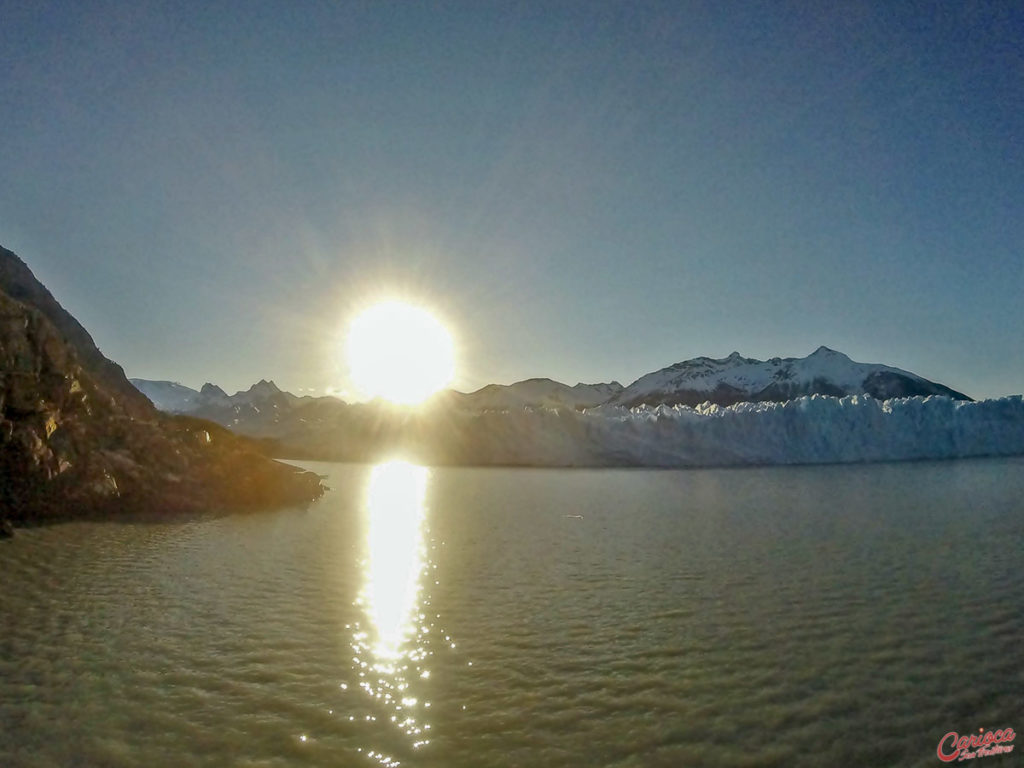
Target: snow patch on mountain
[(168, 396)]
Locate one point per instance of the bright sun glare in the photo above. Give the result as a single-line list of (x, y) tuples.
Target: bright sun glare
[(400, 353)]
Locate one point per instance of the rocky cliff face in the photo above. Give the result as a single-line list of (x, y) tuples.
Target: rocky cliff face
[(18, 282), (76, 439)]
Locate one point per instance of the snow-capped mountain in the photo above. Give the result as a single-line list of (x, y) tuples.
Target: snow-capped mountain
[(725, 381), (261, 410), (536, 393), (168, 396), (256, 410), (736, 379)]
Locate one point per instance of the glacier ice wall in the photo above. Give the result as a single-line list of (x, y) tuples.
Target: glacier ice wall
[(813, 429)]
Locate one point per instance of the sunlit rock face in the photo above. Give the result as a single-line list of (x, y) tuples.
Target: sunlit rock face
[(77, 439), (46, 400)]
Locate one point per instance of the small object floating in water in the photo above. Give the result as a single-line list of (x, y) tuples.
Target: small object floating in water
[(575, 517)]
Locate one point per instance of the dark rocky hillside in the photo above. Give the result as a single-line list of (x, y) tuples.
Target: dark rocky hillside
[(77, 439)]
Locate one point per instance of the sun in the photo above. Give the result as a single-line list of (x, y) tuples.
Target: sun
[(400, 352)]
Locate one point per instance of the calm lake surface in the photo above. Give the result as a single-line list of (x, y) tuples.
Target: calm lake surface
[(804, 616)]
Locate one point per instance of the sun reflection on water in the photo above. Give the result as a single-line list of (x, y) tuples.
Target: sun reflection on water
[(394, 501), (392, 646)]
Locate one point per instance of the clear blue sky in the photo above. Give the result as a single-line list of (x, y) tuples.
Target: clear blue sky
[(587, 191)]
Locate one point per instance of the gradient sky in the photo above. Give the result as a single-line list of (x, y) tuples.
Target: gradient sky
[(587, 191)]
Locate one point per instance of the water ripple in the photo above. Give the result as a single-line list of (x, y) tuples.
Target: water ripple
[(793, 616)]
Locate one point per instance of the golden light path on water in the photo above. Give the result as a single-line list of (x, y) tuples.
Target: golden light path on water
[(391, 647), (394, 502)]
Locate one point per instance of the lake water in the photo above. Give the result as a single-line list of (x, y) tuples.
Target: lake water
[(802, 616)]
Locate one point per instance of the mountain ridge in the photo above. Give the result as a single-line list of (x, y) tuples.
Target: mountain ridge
[(721, 381)]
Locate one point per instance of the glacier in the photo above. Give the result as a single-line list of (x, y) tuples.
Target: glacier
[(808, 430)]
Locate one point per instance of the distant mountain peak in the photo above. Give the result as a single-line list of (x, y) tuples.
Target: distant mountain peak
[(212, 390), (824, 351), (263, 387)]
